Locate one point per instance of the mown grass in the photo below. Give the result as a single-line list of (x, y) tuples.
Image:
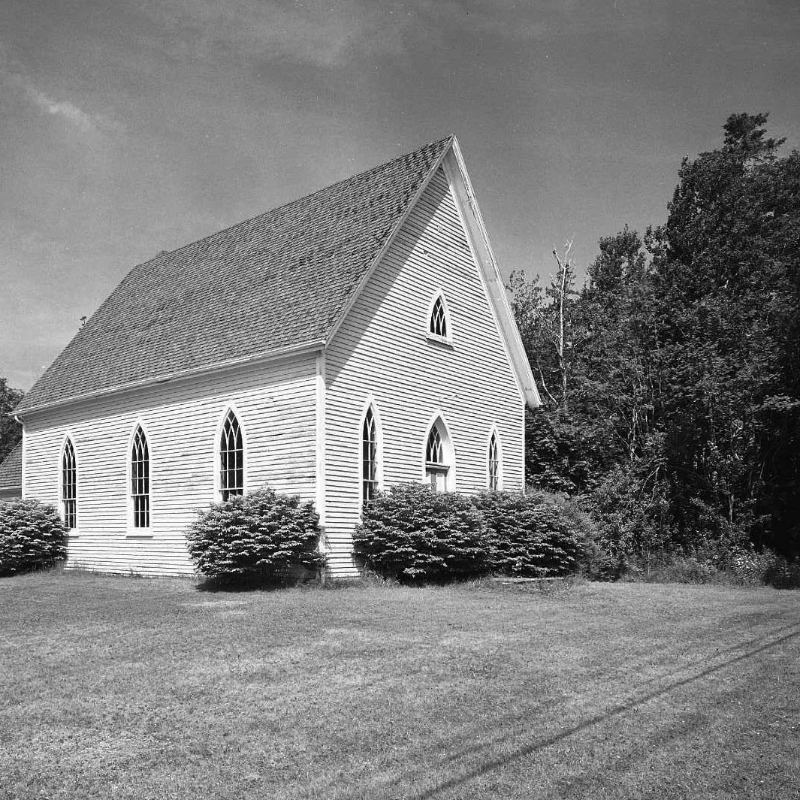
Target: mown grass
[(122, 688)]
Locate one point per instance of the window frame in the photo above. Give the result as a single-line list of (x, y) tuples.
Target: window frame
[(447, 466), (219, 490), (494, 436), (370, 405), (69, 441), (139, 531), (447, 337)]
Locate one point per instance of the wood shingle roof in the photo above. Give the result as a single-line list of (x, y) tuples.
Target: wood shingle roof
[(11, 469), (275, 281)]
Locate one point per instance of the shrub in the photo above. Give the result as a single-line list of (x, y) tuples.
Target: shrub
[(764, 567), (672, 567), (413, 534), (631, 514), (261, 535), (716, 562), (782, 574), (32, 536), (747, 565), (531, 535)]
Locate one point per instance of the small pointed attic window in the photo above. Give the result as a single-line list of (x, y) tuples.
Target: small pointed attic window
[(438, 320)]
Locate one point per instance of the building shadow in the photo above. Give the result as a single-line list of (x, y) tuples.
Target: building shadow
[(674, 683)]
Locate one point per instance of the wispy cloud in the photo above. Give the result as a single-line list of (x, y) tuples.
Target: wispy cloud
[(64, 109), (15, 78), (82, 120)]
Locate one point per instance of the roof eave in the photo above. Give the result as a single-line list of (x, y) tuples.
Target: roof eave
[(482, 250), (263, 357)]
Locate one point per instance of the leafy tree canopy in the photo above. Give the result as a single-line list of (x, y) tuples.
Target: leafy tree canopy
[(682, 363), (10, 429)]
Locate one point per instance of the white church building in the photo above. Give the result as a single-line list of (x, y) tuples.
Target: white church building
[(350, 340)]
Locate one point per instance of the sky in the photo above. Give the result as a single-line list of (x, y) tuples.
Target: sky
[(128, 127)]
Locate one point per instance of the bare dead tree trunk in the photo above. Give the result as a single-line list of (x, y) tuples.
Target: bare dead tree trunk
[(561, 285)]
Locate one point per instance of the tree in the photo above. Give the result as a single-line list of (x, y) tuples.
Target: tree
[(562, 292), (672, 379), (545, 318), (567, 448), (726, 283), (10, 429)]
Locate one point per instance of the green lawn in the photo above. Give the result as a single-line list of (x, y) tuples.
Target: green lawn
[(122, 688)]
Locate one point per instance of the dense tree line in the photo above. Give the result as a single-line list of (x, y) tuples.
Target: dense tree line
[(10, 429), (671, 378)]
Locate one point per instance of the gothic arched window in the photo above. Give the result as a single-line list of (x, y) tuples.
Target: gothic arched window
[(69, 486), (140, 479), (369, 456), (439, 458), (437, 324), (494, 463), (231, 458)]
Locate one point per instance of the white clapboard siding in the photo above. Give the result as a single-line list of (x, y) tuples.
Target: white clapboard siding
[(276, 405), (382, 351)]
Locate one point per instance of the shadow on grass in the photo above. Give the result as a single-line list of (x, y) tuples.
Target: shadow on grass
[(492, 764), (236, 584), (56, 565)]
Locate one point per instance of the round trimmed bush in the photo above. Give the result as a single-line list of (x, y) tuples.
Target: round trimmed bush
[(32, 536), (260, 535), (530, 535), (414, 534)]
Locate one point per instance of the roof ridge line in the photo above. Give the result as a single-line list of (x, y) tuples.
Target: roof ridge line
[(300, 199), (352, 218), (136, 267), (355, 292)]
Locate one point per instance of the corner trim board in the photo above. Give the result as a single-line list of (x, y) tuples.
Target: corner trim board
[(321, 411)]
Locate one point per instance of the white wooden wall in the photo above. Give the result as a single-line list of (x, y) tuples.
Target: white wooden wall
[(276, 405), (382, 351), (289, 408)]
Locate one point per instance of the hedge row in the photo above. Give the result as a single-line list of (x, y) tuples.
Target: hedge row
[(413, 534), (409, 533)]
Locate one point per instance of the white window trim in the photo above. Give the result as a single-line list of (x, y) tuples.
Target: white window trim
[(132, 531), (493, 431), (448, 445), (434, 337), (68, 436), (369, 402), (218, 456)]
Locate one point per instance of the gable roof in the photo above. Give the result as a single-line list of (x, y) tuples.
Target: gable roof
[(11, 469), (276, 281)]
